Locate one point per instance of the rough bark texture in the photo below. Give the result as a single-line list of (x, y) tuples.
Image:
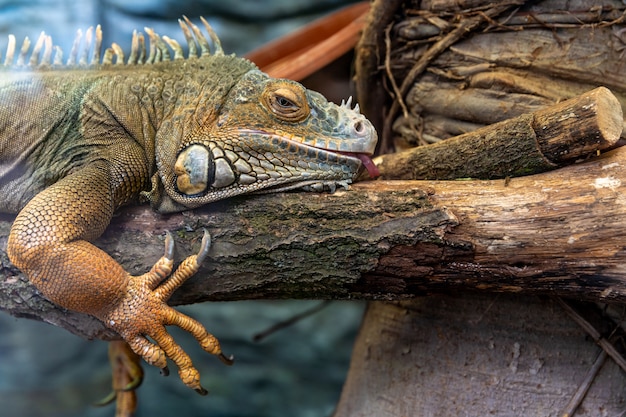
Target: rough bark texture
[(295, 245), (442, 68), (559, 233), (534, 142), (526, 235), (434, 70)]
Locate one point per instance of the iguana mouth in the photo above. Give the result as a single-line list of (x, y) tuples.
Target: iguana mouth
[(367, 162), (364, 157)]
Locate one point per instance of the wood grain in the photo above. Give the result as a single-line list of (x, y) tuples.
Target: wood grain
[(557, 233)]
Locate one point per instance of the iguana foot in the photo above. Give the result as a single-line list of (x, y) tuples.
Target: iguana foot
[(127, 376), (143, 313)]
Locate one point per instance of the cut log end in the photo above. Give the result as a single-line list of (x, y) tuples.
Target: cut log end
[(535, 142), (579, 126)]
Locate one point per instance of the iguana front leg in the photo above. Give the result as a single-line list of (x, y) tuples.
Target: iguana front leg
[(49, 242)]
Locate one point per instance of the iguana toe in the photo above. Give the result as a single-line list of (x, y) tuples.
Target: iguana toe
[(141, 316), (127, 376)]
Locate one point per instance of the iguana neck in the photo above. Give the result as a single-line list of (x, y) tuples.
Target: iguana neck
[(147, 99)]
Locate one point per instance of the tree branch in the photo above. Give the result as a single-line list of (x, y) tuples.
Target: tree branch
[(534, 142), (560, 233)]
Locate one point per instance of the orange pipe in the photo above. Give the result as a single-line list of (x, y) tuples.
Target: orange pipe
[(303, 52)]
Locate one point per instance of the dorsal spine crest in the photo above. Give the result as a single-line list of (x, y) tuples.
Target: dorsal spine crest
[(46, 55)]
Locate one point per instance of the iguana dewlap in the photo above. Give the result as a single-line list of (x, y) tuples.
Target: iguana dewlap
[(79, 140)]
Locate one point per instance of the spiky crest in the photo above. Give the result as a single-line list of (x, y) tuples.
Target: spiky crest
[(347, 104), (159, 48)]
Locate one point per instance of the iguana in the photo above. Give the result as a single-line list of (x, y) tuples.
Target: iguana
[(78, 140)]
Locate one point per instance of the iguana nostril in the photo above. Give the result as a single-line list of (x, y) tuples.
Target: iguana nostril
[(359, 128)]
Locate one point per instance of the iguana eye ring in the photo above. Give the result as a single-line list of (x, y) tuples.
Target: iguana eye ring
[(287, 103)]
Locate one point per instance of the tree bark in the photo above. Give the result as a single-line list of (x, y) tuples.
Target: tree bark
[(293, 245), (534, 142), (447, 67), (560, 233), (463, 353)]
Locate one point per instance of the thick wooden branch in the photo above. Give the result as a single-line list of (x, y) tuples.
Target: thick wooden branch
[(560, 232), (295, 245), (534, 142)]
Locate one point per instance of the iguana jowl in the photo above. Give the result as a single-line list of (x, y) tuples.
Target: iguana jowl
[(79, 140)]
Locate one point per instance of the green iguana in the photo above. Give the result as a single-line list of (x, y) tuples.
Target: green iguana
[(79, 140)]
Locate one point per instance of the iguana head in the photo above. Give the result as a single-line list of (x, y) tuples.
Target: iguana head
[(234, 130), (221, 126), (267, 135)]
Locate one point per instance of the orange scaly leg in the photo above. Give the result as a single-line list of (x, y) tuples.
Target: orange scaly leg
[(50, 242)]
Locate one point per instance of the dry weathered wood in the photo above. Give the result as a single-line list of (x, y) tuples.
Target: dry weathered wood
[(454, 5), (531, 143), (503, 356), (530, 55), (477, 355), (295, 245), (526, 235), (560, 232), (458, 31), (579, 126)]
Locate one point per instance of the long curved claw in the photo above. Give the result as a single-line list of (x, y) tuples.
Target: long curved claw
[(187, 268), (169, 246), (143, 314), (227, 360), (205, 245)]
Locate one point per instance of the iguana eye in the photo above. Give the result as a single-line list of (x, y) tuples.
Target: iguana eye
[(285, 103), (288, 103)]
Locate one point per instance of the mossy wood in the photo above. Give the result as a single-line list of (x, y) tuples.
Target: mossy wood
[(559, 233), (535, 142)]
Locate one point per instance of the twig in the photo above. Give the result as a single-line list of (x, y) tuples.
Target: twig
[(398, 94), (602, 342), (575, 401), (392, 79), (290, 321)]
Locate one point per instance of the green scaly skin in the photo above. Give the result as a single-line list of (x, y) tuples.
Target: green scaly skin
[(77, 142)]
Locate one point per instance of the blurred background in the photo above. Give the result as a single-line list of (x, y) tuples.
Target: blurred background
[(298, 371)]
